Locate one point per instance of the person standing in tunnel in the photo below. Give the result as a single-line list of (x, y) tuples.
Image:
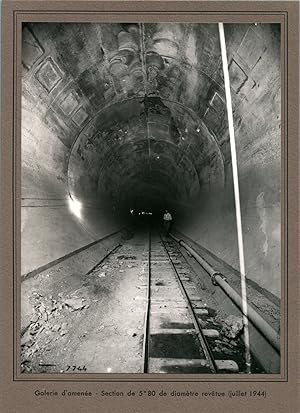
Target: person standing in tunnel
[(167, 221)]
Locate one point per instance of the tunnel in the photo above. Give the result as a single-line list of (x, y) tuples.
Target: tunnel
[(123, 121)]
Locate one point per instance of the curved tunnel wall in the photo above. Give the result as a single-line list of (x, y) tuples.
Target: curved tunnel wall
[(77, 82), (254, 68), (49, 228)]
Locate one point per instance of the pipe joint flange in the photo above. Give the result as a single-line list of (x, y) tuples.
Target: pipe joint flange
[(213, 277)]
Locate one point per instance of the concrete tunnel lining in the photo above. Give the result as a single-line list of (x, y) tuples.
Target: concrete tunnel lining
[(170, 152), (121, 116), (90, 63)]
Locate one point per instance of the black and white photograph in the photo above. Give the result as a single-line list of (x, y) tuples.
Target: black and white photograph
[(151, 198)]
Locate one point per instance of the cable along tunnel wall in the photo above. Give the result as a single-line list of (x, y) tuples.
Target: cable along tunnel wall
[(263, 308), (99, 315), (190, 160), (58, 113)]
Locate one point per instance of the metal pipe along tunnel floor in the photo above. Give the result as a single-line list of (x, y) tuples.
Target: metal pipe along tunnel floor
[(141, 305), (120, 123)]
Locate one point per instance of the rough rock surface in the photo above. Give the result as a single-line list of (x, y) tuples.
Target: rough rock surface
[(232, 327)]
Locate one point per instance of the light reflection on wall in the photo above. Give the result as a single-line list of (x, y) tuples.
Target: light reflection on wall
[(75, 207)]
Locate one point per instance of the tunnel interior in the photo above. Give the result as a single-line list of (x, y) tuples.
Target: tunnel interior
[(149, 149), (139, 159), (119, 117)]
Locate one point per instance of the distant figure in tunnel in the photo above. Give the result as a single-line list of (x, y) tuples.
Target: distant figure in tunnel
[(167, 221)]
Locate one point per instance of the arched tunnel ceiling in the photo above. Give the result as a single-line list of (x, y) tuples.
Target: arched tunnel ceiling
[(151, 145), (122, 112), (145, 100)]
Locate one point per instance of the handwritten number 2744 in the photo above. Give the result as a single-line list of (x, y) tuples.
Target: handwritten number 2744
[(74, 368)]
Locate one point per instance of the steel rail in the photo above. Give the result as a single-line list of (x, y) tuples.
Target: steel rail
[(218, 279), (202, 339)]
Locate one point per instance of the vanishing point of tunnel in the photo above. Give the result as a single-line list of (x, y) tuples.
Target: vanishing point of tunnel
[(121, 122)]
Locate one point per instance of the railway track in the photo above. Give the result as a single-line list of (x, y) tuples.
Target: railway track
[(159, 319), (175, 339)]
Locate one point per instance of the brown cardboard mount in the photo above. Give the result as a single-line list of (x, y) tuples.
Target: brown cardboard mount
[(146, 393)]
